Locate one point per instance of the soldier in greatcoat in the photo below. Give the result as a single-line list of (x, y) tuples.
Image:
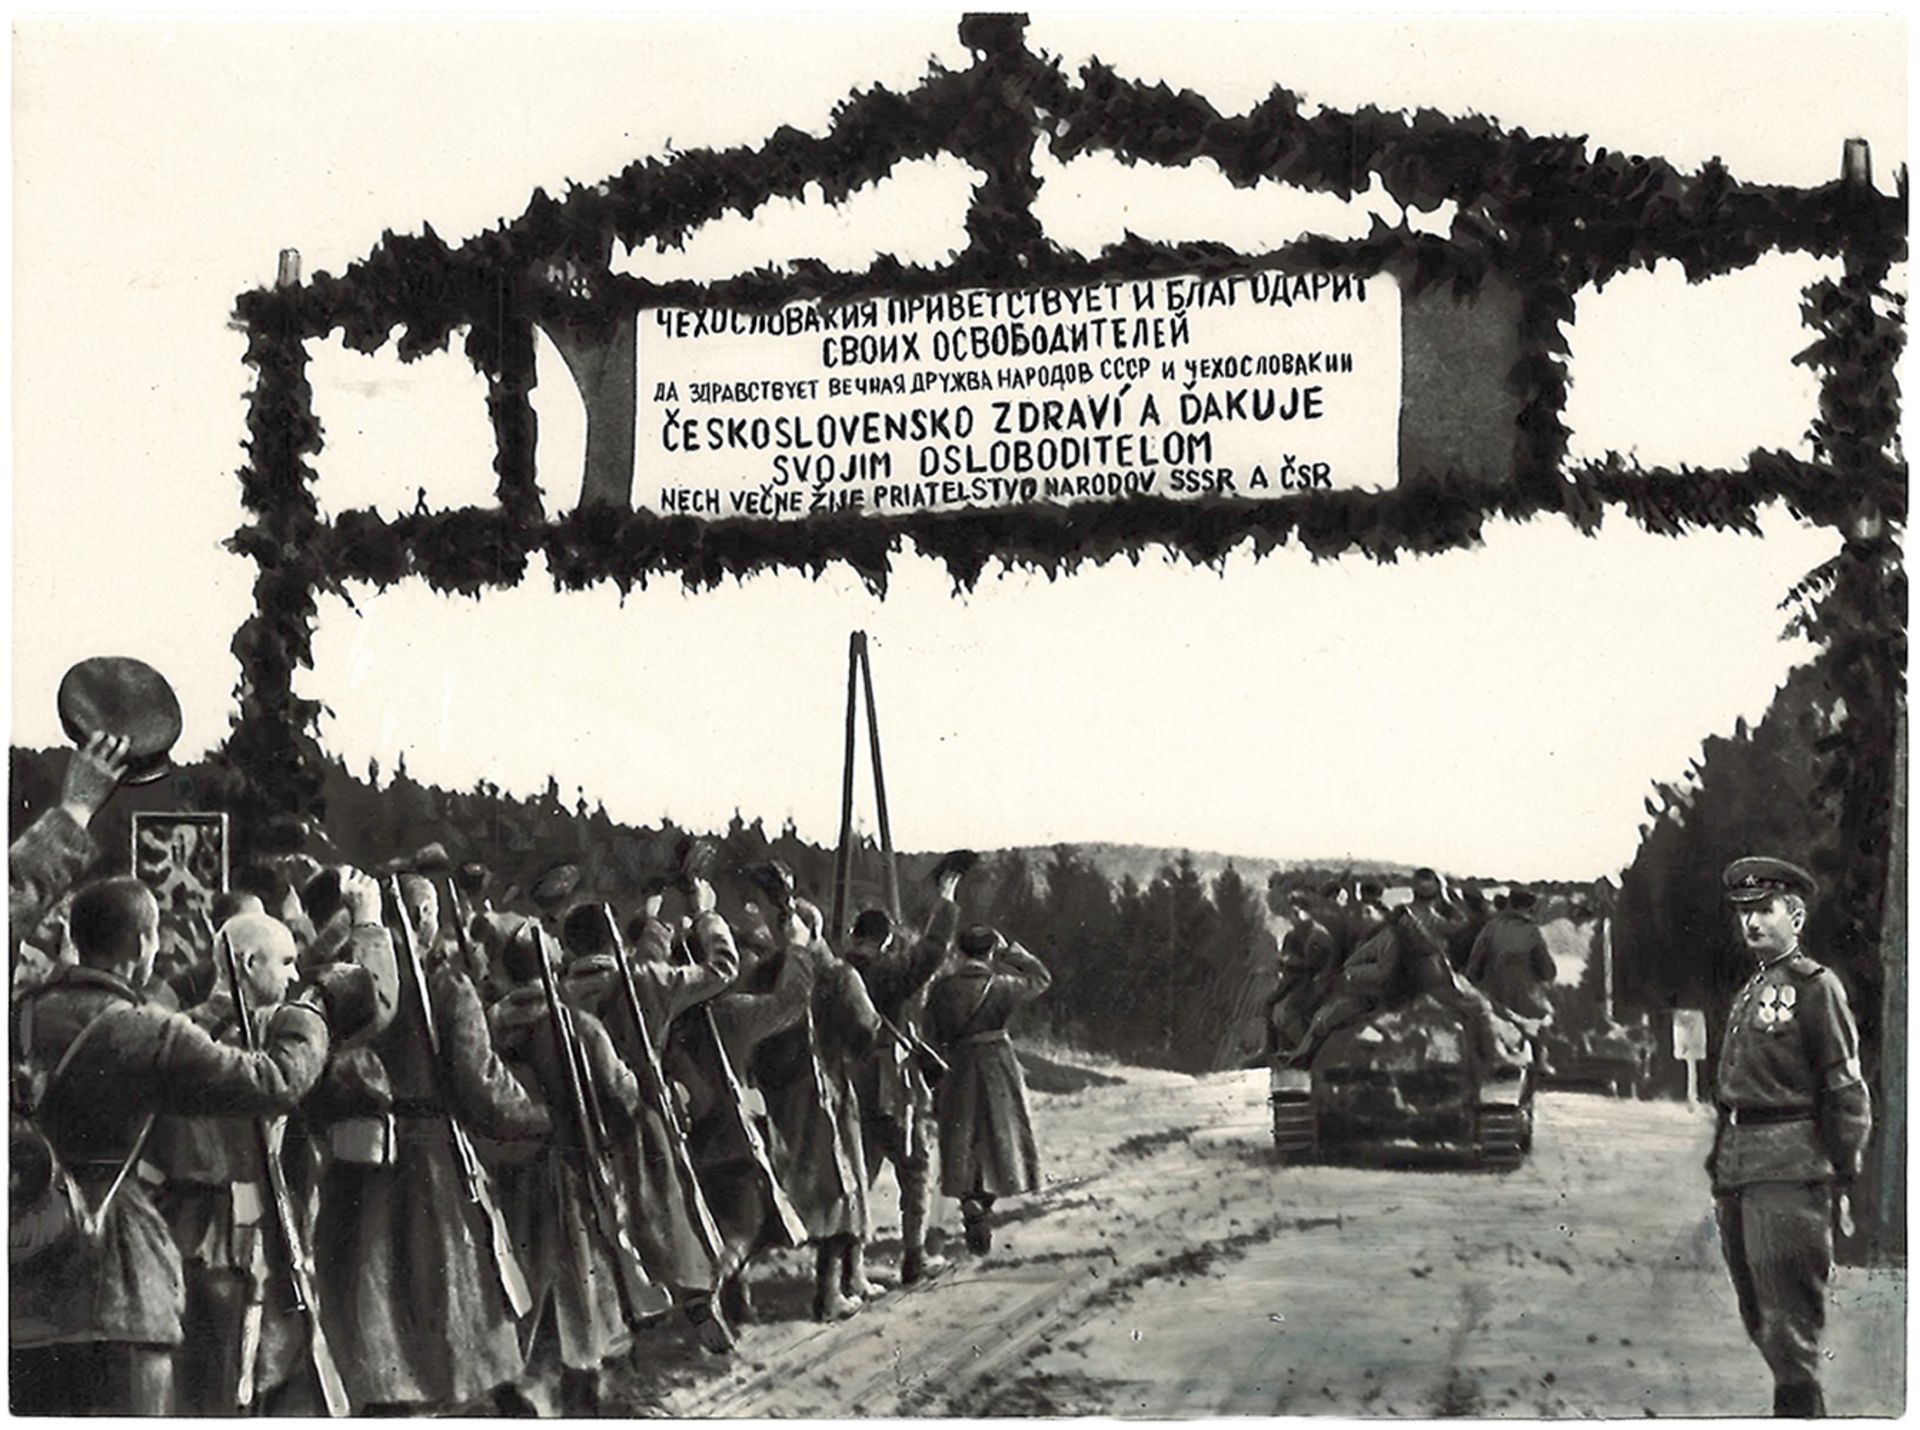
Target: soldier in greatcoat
[(1511, 963), (771, 995), (987, 1148), (896, 1099), (807, 1075), (670, 1243), (1794, 1123), (95, 1319), (565, 1250), (412, 1299)]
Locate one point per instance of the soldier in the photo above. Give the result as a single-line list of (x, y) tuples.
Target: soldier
[(565, 1247), (1440, 915), (1510, 962), (986, 1133), (1373, 976), (815, 1108), (1396, 964), (412, 1292), (771, 995), (664, 1206), (1794, 1124), (896, 1100), (241, 1328), (1309, 964), (95, 1317)]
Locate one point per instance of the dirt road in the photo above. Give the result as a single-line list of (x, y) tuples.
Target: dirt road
[(1169, 1269)]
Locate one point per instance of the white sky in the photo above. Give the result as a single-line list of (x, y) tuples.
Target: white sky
[(1278, 709)]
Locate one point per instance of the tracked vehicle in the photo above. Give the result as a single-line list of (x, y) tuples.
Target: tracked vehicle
[(1405, 1087)]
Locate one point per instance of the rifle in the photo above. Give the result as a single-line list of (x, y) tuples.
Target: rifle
[(286, 1219), (640, 1299), (776, 880), (653, 1082), (791, 1224), (473, 1176), (918, 1046)]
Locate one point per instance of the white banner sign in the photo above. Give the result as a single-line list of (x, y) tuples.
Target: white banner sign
[(1259, 385)]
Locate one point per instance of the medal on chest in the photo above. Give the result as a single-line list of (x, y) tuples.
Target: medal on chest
[(1774, 1007)]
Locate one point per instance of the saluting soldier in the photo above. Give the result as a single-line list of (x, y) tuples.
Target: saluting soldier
[(806, 1072), (566, 1253), (94, 1319), (1794, 1124), (771, 995), (412, 1298), (896, 1101), (670, 1243), (987, 1148)]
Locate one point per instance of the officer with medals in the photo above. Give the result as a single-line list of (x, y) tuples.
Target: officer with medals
[(1794, 1120)]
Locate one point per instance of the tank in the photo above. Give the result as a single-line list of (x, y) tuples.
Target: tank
[(1405, 1086)]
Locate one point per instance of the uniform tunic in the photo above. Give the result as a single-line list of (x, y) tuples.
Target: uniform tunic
[(986, 1132), (219, 1205), (1795, 1117), (896, 1102), (1309, 965), (128, 1286)]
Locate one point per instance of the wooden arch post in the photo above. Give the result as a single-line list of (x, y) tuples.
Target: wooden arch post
[(860, 682)]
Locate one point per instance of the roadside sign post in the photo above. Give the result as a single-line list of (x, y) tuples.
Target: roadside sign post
[(1690, 1046)]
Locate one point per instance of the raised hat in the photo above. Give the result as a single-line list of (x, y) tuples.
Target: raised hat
[(978, 940), (774, 879), (118, 695), (954, 861), (585, 930), (556, 886), (1759, 877), (692, 858)]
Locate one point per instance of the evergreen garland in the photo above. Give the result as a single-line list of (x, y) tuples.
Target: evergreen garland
[(1540, 212)]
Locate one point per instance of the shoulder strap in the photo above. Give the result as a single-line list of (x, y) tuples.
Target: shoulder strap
[(91, 1218), (980, 1003), (81, 1039)]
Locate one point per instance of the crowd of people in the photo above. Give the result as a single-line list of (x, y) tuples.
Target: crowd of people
[(375, 1145), (1347, 956)]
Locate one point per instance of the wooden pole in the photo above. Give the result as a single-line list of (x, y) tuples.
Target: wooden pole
[(880, 783), (843, 857), (1856, 164), (1606, 966)]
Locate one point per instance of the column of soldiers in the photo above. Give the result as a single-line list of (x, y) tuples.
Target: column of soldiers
[(1346, 956), (385, 1148)]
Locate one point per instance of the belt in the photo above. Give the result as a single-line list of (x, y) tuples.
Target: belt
[(997, 1035), (1764, 1116), (415, 1107)]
